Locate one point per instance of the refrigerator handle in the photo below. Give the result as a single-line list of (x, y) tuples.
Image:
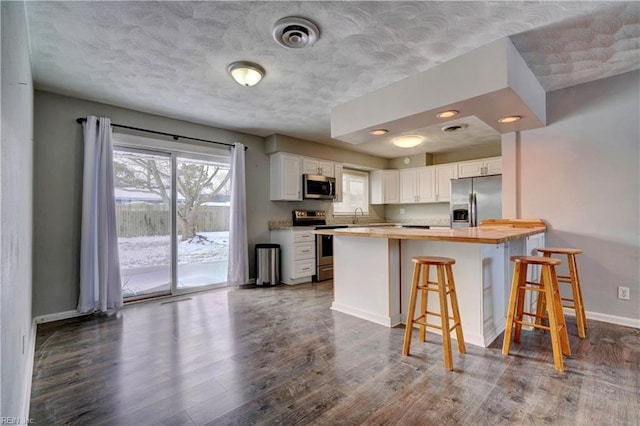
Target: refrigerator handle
[(471, 209), (474, 210)]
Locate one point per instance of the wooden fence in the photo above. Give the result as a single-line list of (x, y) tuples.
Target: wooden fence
[(138, 220)]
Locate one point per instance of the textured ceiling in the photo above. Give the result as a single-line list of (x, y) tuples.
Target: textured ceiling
[(170, 58)]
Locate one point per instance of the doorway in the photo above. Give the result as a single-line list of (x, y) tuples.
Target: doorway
[(172, 215)]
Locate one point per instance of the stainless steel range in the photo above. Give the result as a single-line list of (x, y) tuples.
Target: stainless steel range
[(324, 243)]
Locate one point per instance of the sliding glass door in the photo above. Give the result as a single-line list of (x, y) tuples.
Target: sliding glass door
[(202, 222), (173, 221)]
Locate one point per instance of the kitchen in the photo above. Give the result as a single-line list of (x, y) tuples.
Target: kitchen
[(568, 173)]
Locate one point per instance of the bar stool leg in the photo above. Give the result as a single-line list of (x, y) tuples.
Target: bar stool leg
[(546, 281), (444, 316), (562, 324), (411, 310), (515, 284), (520, 302), (423, 302), (456, 313), (581, 318)]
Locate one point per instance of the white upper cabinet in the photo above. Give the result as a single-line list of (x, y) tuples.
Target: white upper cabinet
[(337, 168), (482, 167), (417, 185), (444, 174), (493, 166), (314, 166), (384, 187), (286, 177)]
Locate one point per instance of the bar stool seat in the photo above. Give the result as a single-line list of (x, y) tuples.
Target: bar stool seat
[(576, 301), (547, 288), (445, 287)]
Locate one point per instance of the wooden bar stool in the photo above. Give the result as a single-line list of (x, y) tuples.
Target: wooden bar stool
[(547, 288), (445, 286), (574, 302)]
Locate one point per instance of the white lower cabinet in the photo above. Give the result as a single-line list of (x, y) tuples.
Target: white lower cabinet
[(297, 254)]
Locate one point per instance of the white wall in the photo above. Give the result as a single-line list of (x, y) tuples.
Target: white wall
[(16, 171), (581, 175)]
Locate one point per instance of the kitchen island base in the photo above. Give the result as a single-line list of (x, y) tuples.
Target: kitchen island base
[(372, 279)]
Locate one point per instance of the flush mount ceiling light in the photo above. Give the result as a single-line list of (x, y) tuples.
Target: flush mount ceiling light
[(447, 114), (379, 132), (509, 119), (246, 73), (408, 141), (295, 32)]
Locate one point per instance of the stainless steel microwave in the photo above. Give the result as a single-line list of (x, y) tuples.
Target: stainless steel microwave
[(316, 187)]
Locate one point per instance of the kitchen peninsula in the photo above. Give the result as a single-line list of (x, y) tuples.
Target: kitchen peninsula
[(373, 269)]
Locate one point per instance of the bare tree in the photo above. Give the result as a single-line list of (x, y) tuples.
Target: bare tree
[(196, 183)]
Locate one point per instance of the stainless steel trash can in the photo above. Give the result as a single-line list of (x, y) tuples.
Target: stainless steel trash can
[(267, 264)]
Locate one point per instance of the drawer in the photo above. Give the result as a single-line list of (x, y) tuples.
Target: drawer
[(304, 251), (303, 237), (304, 268)]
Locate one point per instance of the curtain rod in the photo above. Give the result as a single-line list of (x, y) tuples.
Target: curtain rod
[(175, 137)]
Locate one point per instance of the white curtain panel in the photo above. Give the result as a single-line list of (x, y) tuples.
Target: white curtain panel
[(100, 285), (238, 273)]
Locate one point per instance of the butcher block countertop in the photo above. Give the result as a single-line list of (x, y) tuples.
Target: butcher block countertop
[(495, 234)]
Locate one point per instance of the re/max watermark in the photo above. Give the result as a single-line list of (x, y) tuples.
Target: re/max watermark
[(16, 421)]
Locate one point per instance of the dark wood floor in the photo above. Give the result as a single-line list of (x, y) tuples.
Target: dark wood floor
[(279, 355)]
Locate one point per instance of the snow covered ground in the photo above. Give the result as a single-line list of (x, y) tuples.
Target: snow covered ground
[(144, 262)]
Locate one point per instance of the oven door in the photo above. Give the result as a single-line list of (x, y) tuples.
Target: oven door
[(324, 250)]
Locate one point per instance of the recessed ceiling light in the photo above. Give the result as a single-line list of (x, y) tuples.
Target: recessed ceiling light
[(408, 141), (246, 73), (447, 114), (509, 119), (379, 132)]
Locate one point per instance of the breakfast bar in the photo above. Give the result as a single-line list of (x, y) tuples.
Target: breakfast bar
[(373, 268)]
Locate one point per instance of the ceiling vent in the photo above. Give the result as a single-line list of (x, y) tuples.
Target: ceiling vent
[(295, 33), (454, 128)]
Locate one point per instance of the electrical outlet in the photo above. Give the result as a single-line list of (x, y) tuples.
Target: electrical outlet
[(401, 211), (623, 293)]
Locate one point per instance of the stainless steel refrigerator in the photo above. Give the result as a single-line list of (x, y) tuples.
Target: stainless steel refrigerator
[(475, 199)]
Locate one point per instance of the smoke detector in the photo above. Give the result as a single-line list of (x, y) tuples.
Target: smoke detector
[(295, 33), (454, 128)]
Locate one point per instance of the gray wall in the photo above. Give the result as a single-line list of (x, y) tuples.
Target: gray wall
[(581, 175), (58, 187), (16, 180)]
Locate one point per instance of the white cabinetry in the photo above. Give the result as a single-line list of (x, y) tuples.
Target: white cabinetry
[(297, 255), (444, 174), (483, 167), (286, 177), (384, 187), (337, 168), (417, 185), (314, 166)]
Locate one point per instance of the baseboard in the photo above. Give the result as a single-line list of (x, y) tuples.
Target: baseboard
[(58, 316), (612, 319), (369, 316), (30, 354)]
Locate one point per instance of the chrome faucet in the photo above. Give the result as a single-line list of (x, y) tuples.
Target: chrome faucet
[(355, 214)]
